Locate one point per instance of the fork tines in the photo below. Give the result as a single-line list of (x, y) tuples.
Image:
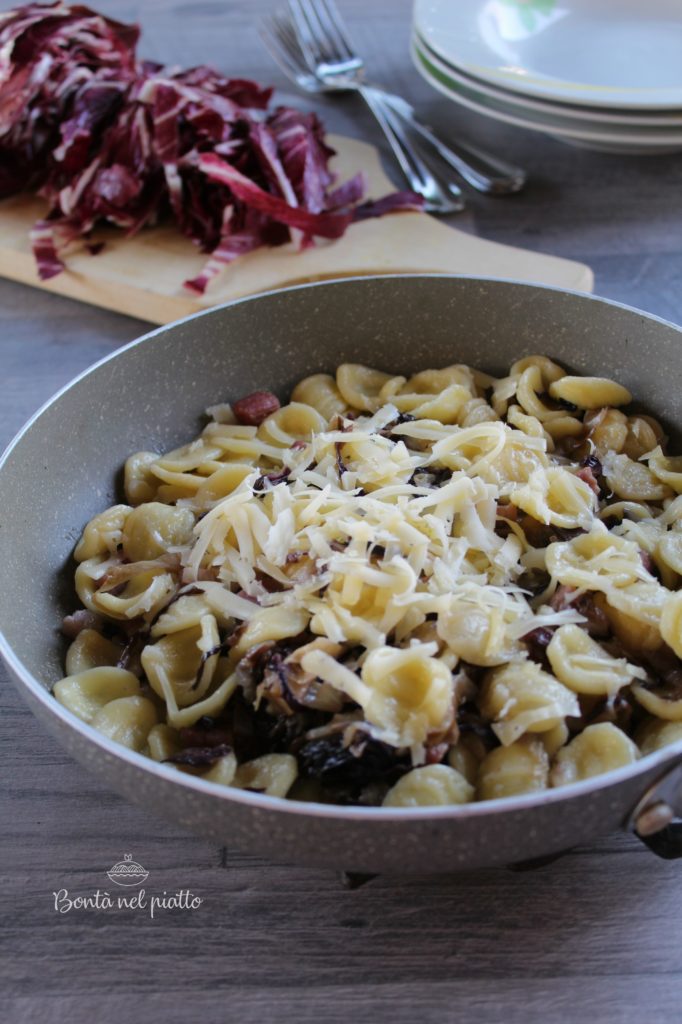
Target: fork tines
[(322, 35)]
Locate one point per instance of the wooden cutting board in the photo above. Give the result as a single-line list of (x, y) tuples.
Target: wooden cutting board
[(144, 276)]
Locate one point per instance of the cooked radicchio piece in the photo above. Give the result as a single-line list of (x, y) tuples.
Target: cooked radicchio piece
[(109, 138), (540, 535), (537, 642), (616, 708), (200, 757), (352, 766), (254, 731), (597, 624), (82, 619), (665, 670), (207, 732)]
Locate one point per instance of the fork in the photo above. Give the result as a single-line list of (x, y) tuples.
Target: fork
[(329, 53), (316, 41), (278, 35)]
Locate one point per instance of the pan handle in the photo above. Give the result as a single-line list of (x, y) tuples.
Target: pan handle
[(667, 843), (657, 818)]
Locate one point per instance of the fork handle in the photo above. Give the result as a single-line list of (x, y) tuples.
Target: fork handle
[(415, 168), (482, 170)]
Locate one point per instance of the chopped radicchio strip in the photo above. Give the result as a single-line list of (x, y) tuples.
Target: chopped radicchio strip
[(341, 466), (129, 657), (389, 204), (108, 138), (276, 477)]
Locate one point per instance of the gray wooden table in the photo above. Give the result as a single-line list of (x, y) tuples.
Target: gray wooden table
[(596, 935)]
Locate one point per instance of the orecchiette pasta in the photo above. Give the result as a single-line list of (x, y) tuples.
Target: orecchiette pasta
[(663, 700), (477, 633), (127, 720), (633, 480), (589, 392), (643, 436), (553, 739), (91, 650), (465, 760), (633, 631), (398, 590), (273, 774), (152, 529), (321, 393), (90, 691), (668, 469), (180, 666), (289, 424), (360, 386), (556, 496), (607, 431), (584, 666), (521, 698), (671, 622), (656, 733), (163, 742), (522, 767), (224, 771), (432, 785), (103, 534), (140, 484), (669, 551), (405, 693), (598, 749)]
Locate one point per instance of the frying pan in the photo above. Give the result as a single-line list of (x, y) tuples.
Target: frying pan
[(65, 466)]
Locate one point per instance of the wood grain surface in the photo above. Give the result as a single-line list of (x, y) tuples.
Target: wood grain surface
[(595, 936)]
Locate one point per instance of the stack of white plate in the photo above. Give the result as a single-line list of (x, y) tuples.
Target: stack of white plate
[(605, 74)]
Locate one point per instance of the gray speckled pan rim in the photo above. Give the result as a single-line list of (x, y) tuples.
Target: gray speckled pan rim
[(661, 759), (337, 282)]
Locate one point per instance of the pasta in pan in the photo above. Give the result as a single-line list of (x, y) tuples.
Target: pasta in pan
[(398, 591)]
